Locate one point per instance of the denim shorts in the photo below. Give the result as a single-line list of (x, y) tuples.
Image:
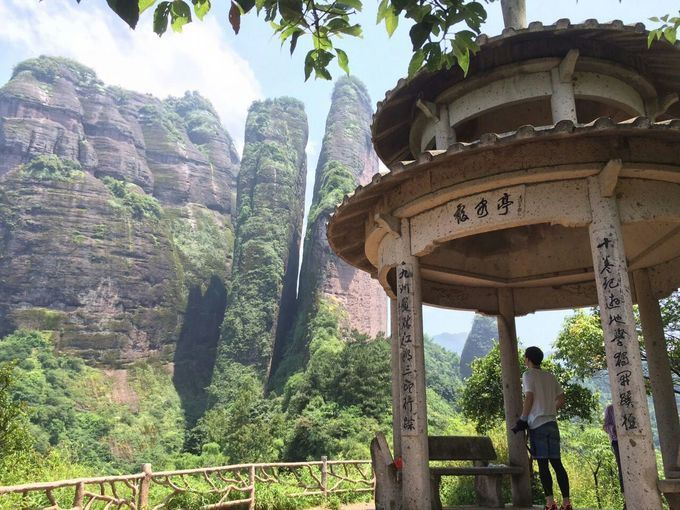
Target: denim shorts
[(545, 441)]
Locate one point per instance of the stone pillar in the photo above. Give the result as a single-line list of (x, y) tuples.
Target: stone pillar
[(512, 397), (396, 381), (634, 429), (413, 408), (514, 13), (444, 133), (659, 368), (562, 101)]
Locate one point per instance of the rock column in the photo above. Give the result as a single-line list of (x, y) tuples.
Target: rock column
[(624, 364)]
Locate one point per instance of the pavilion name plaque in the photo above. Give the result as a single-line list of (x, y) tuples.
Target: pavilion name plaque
[(465, 215), (619, 330), (407, 349)]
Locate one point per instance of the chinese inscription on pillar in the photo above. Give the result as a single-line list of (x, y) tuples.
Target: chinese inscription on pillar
[(407, 354), (619, 330)]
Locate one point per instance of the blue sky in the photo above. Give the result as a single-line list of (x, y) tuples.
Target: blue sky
[(232, 71)]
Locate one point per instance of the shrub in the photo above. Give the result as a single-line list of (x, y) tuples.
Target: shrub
[(50, 167), (135, 201)]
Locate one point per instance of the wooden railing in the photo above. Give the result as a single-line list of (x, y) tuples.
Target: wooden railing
[(209, 488)]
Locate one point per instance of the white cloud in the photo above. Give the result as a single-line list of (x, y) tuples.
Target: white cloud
[(200, 58)]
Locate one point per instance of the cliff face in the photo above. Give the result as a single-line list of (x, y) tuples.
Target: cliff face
[(346, 159), (113, 205), (271, 190), (480, 340)]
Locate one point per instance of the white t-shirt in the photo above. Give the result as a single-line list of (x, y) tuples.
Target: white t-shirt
[(545, 388)]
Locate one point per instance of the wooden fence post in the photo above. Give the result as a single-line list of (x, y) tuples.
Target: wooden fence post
[(144, 485), (324, 476), (251, 477), (79, 497)]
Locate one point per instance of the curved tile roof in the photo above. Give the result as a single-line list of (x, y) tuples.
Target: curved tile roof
[(614, 41)]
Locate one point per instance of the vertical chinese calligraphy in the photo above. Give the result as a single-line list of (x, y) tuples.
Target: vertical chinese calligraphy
[(406, 338), (617, 330)]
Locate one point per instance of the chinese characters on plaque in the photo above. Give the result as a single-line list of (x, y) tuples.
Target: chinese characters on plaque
[(471, 212), (495, 203), (407, 355), (617, 330)]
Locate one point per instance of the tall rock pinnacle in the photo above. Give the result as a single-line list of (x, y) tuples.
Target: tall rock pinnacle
[(346, 159), (270, 204)]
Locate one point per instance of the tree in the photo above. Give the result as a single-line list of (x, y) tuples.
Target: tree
[(482, 398), (580, 344), (14, 436), (438, 40)]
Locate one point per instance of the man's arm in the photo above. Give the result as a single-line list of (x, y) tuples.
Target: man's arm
[(559, 401)]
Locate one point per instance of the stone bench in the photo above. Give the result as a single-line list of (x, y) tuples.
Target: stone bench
[(480, 451), (670, 488)]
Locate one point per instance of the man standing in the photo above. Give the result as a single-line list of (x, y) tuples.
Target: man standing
[(543, 396)]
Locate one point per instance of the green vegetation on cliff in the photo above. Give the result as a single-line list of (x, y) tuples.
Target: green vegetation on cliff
[(129, 197), (345, 156), (49, 167), (270, 205), (203, 242), (48, 69)]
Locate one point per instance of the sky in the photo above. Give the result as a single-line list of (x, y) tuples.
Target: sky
[(234, 70)]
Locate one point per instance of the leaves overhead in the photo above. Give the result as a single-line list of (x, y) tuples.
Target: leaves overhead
[(668, 29), (442, 31)]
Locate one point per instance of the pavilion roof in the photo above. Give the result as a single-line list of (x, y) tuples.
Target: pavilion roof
[(616, 42)]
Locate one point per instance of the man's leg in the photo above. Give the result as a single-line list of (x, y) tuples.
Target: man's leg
[(562, 480), (546, 481)]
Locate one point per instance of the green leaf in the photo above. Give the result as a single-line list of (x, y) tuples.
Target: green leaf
[(353, 30), (382, 11), (160, 18), (352, 4), (670, 34), (127, 10), (664, 18), (309, 64), (294, 39), (291, 10), (145, 4), (343, 61), (419, 33), (201, 8), (416, 62), (650, 37), (391, 21), (181, 15), (654, 19)]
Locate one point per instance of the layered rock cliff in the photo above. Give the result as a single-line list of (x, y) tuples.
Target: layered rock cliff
[(346, 159), (271, 190), (113, 206)]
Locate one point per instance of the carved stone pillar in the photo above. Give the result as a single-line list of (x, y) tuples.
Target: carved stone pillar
[(512, 397), (634, 429), (396, 381), (413, 408), (660, 376)]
